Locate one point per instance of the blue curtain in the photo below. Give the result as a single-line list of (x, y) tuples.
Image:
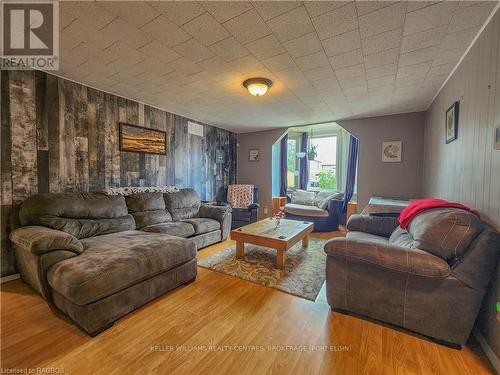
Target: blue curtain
[(352, 162), (283, 165), (303, 163)]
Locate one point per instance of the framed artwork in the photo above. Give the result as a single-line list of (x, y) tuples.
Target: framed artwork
[(391, 151), (254, 154), (219, 156), (496, 138), (451, 123), (139, 139)]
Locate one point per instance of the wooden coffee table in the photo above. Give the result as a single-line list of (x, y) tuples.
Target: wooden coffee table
[(263, 233)]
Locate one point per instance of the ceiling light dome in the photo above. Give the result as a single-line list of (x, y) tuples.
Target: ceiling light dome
[(257, 86)]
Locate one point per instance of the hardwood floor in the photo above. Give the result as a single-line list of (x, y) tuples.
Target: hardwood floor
[(220, 310)]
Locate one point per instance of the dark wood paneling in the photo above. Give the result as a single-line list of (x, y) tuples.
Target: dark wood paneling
[(58, 135)]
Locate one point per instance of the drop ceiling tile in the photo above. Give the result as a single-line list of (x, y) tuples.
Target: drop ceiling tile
[(351, 92), (246, 64), (135, 13), (336, 22), (206, 29), (423, 39), (415, 5), (415, 70), (328, 86), (430, 17), (279, 62), (385, 19), (293, 78), (319, 73), (448, 56), (229, 49), (409, 81), (382, 42), (193, 50), (78, 31), (381, 71), (179, 12), (265, 47), (434, 80), (347, 59), (304, 45), (342, 43), (440, 69), (93, 16), (247, 27), (460, 39), (349, 72), (165, 31), (415, 57), (365, 7), (271, 9), (315, 8), (382, 58), (225, 10), (381, 81), (353, 82), (472, 16), (312, 61), (291, 25), (158, 50)]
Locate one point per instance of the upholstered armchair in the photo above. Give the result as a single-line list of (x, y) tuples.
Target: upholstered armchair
[(246, 215), (429, 278)]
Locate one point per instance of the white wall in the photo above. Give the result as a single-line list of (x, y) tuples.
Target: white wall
[(467, 170)]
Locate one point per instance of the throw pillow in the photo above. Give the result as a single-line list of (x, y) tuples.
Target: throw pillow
[(322, 201), (303, 197)]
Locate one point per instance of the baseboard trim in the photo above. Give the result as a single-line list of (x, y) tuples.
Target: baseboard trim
[(495, 361), (9, 278)]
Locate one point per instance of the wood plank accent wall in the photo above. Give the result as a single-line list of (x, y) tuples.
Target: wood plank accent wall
[(58, 135), (468, 170)]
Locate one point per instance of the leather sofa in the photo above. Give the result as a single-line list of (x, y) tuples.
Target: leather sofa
[(429, 278), (97, 257)]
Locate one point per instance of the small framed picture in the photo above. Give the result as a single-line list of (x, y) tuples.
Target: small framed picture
[(254, 154), (452, 123), (496, 144), (219, 156), (391, 151)]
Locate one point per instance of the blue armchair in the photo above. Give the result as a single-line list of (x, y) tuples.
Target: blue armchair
[(243, 216), (324, 220)]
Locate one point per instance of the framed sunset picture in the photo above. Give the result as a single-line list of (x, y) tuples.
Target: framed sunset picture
[(451, 123), (139, 139)]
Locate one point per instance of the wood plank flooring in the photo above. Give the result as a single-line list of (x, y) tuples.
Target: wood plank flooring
[(227, 312)]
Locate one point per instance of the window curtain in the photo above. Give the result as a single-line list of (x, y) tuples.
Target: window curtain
[(303, 163), (352, 162), (283, 165)]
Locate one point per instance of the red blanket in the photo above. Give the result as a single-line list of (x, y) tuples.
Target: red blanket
[(417, 206)]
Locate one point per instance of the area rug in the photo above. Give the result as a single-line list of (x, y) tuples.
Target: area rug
[(303, 275)]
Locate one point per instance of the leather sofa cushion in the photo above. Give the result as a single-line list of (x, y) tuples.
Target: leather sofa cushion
[(182, 204), (444, 232), (303, 210), (148, 209), (362, 236), (174, 228), (113, 262), (80, 214), (203, 225), (401, 237)]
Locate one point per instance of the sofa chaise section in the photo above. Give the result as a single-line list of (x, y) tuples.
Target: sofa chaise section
[(82, 252)]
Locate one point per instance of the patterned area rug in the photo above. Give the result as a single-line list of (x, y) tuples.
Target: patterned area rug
[(303, 275)]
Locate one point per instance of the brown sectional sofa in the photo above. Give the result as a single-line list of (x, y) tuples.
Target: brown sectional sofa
[(429, 278), (97, 257)]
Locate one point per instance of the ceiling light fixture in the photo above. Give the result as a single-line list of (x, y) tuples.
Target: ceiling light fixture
[(257, 86)]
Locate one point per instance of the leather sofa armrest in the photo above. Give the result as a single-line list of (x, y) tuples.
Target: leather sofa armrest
[(395, 258), (378, 225), (40, 240)]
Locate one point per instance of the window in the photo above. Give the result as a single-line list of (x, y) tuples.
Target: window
[(323, 170), (292, 164)]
